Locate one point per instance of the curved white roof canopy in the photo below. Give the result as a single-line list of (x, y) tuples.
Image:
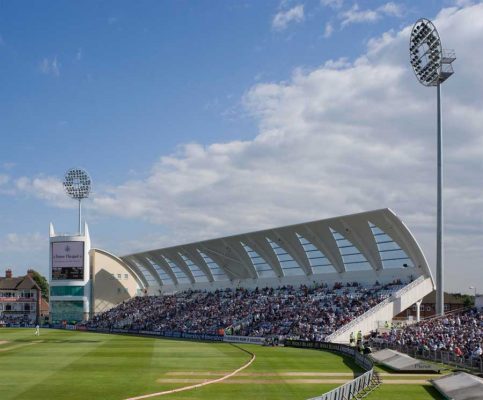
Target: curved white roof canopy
[(373, 241)]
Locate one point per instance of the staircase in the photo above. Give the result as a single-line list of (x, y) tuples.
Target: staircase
[(384, 311)]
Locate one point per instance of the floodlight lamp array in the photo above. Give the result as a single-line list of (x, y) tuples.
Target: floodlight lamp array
[(77, 183), (426, 53)]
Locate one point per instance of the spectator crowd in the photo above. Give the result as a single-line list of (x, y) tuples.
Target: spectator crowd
[(15, 320), (310, 313), (459, 333)]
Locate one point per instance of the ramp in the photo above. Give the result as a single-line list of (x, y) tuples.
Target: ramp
[(402, 362), (460, 386)]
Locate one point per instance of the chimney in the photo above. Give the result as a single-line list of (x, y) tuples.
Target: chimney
[(8, 273), (30, 272)]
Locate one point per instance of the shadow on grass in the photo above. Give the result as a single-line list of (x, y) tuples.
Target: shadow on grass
[(433, 392), (349, 362), (385, 368)]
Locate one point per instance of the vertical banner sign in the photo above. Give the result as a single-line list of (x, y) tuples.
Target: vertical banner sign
[(67, 260)]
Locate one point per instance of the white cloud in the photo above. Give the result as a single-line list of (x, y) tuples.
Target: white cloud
[(332, 3), (328, 30), (50, 66), (391, 9), (463, 3), (356, 15), (47, 188), (8, 165), (18, 243), (347, 136), (4, 179), (284, 17)]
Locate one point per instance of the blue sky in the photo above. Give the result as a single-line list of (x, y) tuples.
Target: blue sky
[(179, 108)]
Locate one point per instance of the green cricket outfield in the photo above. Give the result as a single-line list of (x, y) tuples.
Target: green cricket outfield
[(80, 365)]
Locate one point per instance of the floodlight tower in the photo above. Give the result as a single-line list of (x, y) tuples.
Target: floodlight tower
[(77, 184), (432, 66)]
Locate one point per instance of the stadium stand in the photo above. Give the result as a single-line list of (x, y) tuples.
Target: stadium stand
[(460, 333), (454, 339), (309, 313), (311, 256)]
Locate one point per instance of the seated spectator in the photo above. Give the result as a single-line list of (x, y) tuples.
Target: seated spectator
[(459, 333), (309, 313)]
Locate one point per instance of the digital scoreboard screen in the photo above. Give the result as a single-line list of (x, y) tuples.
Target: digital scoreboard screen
[(67, 260)]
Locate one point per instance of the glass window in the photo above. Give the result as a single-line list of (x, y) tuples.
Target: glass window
[(216, 271), (67, 311), (288, 264), (318, 261), (164, 276), (178, 273), (67, 290), (147, 275), (391, 254), (261, 266), (197, 273), (353, 259)]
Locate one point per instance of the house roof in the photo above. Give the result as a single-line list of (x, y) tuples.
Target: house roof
[(18, 283)]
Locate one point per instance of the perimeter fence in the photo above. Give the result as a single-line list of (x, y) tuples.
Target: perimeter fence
[(362, 384)]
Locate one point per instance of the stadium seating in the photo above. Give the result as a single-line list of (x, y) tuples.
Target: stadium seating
[(15, 320), (459, 333), (309, 313)]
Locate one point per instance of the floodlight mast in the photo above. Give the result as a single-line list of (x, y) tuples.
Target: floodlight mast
[(432, 66), (77, 184)]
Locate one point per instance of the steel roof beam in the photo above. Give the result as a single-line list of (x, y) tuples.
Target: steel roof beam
[(288, 240), (161, 262), (260, 245), (196, 259)]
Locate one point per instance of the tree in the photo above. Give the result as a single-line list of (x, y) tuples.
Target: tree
[(42, 282), (469, 301)]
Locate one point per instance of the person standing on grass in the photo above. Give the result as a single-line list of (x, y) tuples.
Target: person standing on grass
[(37, 330)]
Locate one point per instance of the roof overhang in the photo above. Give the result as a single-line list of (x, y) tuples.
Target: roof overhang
[(373, 241)]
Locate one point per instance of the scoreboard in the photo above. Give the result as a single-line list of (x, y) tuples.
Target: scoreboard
[(67, 260)]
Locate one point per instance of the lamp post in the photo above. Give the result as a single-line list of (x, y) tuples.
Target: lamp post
[(432, 66)]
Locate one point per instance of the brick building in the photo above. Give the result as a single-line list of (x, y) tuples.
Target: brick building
[(20, 300), (428, 306)]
